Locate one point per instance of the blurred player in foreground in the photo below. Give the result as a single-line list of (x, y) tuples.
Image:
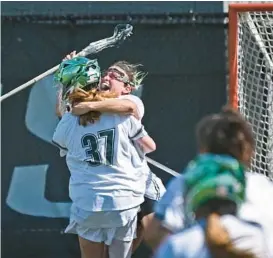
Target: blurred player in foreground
[(105, 188), (224, 133), (122, 78), (214, 190)]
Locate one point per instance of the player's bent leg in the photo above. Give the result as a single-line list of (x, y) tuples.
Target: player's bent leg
[(155, 233), (147, 216), (120, 240), (91, 240), (90, 249), (139, 232), (154, 191), (97, 229), (120, 249), (106, 251), (146, 221)]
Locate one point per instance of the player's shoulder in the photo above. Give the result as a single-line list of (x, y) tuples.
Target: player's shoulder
[(138, 102), (171, 200), (254, 184), (131, 97), (173, 195), (251, 176), (67, 115), (176, 184), (254, 179), (67, 119)]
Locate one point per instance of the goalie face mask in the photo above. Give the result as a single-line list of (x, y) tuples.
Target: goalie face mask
[(89, 76), (78, 72)]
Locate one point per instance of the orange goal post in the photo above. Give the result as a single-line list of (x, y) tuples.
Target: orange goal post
[(250, 50)]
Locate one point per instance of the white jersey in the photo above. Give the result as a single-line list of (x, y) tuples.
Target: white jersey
[(100, 158), (190, 243), (137, 101), (154, 186), (140, 108), (257, 208)]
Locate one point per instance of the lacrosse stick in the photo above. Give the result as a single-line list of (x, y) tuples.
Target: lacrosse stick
[(121, 32), (162, 167)]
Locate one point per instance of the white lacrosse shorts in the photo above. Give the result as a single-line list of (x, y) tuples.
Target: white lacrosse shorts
[(117, 229), (154, 187), (119, 240)]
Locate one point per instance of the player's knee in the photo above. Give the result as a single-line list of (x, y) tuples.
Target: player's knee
[(147, 220), (154, 233)]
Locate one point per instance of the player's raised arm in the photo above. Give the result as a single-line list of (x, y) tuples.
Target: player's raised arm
[(140, 135), (58, 108), (117, 106), (147, 143)]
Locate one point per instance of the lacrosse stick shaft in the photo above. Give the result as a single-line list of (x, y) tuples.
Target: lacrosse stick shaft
[(29, 83), (162, 167)]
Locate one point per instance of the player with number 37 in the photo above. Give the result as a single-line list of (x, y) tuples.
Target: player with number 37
[(105, 187)]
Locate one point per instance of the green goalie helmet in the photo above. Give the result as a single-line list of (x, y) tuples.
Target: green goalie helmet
[(78, 72)]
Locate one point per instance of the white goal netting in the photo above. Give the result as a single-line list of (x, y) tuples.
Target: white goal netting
[(255, 83)]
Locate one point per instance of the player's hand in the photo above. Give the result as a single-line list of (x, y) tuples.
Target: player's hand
[(70, 56), (81, 108)]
